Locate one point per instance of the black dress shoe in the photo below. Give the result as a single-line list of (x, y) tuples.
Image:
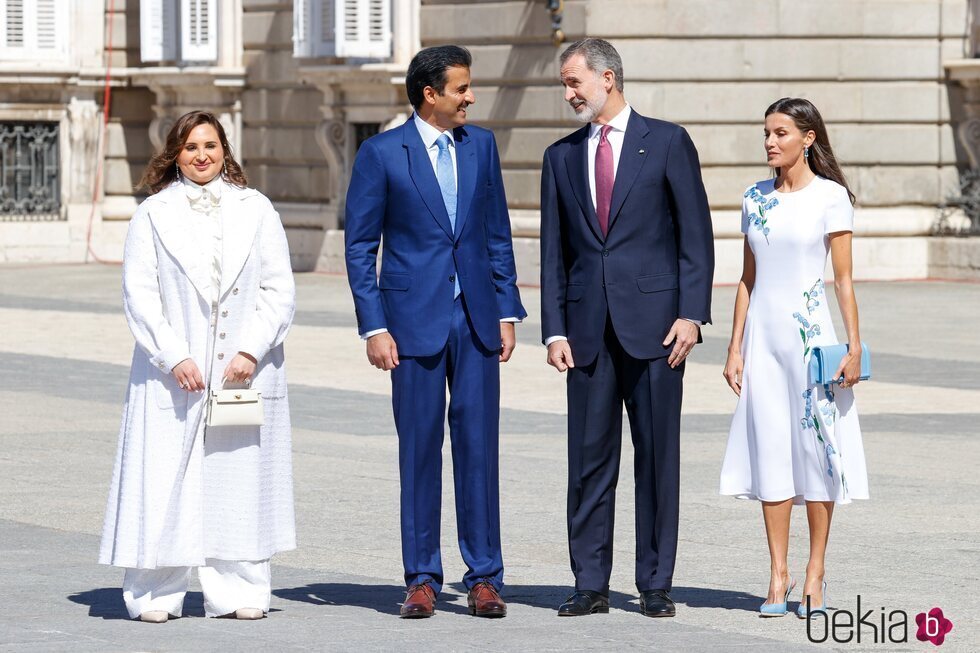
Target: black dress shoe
[(656, 603), (584, 602)]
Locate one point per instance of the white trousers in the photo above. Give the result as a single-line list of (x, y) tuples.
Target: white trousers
[(227, 586)]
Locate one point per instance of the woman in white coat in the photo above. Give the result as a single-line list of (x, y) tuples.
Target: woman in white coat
[(209, 296)]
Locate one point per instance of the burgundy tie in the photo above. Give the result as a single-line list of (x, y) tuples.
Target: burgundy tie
[(604, 179)]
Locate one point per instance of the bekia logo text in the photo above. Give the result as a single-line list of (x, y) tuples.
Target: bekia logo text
[(876, 626)]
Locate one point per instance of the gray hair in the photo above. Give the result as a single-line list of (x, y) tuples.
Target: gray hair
[(600, 56)]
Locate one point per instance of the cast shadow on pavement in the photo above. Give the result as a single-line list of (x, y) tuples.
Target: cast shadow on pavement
[(709, 597), (107, 603), (551, 596), (386, 599)]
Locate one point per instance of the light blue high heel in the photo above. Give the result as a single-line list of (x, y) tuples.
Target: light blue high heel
[(777, 609), (801, 610)]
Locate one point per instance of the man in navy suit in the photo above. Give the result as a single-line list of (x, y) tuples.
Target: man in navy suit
[(441, 312), (626, 267)]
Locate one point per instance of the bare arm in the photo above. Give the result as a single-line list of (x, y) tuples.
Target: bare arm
[(733, 367), (840, 255)]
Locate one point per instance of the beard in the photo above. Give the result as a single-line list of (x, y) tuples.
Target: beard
[(591, 106)]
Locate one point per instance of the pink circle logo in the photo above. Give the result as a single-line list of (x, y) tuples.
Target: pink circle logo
[(933, 626)]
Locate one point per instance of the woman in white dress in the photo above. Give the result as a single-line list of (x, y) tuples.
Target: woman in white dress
[(208, 293), (790, 442)]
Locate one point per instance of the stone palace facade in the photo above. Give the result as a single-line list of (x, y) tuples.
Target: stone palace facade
[(299, 84)]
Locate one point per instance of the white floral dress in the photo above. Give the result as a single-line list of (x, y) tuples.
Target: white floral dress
[(788, 439)]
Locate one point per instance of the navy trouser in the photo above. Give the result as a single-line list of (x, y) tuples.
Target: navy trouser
[(651, 391), (419, 401)]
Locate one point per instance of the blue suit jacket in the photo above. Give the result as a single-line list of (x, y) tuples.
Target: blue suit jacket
[(656, 262), (394, 192)]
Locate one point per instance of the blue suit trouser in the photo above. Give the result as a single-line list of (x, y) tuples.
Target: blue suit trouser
[(419, 401)]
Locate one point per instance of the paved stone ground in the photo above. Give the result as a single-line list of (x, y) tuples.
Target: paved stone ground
[(64, 354)]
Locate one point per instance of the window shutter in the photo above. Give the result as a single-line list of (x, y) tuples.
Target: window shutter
[(46, 24), (33, 29), (198, 30), (326, 45), (13, 23), (303, 38), (342, 28), (366, 29), (158, 30)]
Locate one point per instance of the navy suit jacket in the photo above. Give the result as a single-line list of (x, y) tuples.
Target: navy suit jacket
[(394, 192), (656, 262)]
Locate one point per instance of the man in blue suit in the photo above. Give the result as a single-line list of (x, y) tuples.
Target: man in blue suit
[(626, 265), (441, 312)]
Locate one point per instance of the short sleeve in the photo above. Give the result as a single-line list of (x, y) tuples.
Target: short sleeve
[(840, 213)]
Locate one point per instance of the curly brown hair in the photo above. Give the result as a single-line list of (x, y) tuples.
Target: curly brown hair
[(161, 171)]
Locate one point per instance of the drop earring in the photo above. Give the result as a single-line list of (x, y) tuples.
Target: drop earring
[(806, 152), (177, 170)]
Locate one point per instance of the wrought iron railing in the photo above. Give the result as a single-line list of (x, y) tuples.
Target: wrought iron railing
[(30, 179)]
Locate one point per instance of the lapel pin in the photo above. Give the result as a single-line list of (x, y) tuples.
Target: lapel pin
[(642, 151)]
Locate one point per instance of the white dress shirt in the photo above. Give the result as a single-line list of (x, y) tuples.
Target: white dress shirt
[(206, 201), (430, 134), (615, 137)]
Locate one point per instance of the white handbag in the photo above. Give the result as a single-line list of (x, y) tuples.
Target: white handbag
[(235, 408)]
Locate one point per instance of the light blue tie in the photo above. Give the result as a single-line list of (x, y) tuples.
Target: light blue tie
[(447, 184)]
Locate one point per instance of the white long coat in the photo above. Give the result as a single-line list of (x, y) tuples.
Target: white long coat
[(179, 495)]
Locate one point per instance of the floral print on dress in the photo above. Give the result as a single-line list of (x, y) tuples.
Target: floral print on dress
[(758, 219), (807, 330), (824, 414)]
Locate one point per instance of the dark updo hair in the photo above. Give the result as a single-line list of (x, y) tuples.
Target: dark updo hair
[(428, 68), (161, 171), (806, 118)]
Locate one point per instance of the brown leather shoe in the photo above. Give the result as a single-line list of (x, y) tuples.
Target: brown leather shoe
[(420, 602), (484, 601)]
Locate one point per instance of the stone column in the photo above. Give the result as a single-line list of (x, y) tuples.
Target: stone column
[(84, 129)]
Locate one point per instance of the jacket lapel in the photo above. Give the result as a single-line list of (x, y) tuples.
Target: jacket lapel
[(172, 220), (238, 227), (466, 176), (577, 165), (420, 169), (631, 159)]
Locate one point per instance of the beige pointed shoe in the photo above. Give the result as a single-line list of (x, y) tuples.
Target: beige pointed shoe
[(249, 613), (155, 616)]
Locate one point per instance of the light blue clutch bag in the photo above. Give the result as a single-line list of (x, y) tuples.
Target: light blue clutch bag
[(824, 361)]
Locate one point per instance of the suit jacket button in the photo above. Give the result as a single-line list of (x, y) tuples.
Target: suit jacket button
[(456, 246), (221, 357), (452, 278), (224, 313), (222, 335), (605, 253), (235, 291)]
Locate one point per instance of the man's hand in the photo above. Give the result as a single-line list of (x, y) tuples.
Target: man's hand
[(560, 355), (382, 351), (508, 340), (684, 335)]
